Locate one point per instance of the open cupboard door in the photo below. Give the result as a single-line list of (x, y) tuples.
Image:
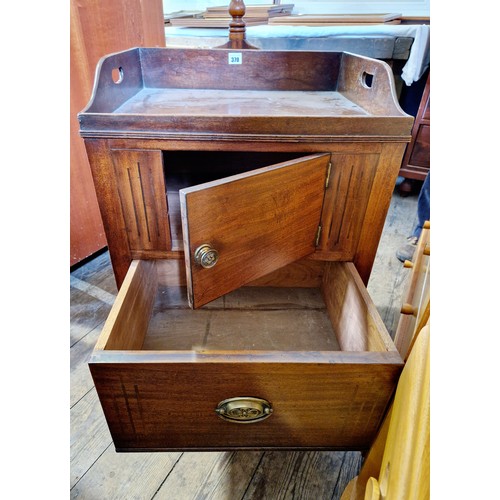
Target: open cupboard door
[(242, 227)]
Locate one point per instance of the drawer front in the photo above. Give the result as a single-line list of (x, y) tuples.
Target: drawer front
[(160, 405)]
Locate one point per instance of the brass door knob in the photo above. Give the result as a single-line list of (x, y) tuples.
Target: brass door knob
[(206, 256)]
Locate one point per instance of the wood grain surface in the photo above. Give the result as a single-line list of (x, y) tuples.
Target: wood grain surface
[(377, 208), (126, 325), (170, 99), (258, 222), (97, 29), (417, 296), (161, 406), (194, 68), (332, 84), (346, 200), (141, 189), (398, 463), (215, 102), (250, 318), (241, 474), (164, 399), (355, 318), (106, 186)]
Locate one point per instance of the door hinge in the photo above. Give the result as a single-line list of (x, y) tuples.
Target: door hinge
[(327, 182), (318, 235)]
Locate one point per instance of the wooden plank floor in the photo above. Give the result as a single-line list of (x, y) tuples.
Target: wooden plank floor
[(98, 472)]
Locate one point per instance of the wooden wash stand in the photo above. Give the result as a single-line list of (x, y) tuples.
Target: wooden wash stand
[(243, 194)]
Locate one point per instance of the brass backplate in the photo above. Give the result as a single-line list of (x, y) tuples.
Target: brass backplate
[(244, 410)]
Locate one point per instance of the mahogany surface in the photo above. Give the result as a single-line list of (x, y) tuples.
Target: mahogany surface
[(313, 110), (168, 70), (183, 120), (165, 399), (258, 222), (416, 161), (176, 413)]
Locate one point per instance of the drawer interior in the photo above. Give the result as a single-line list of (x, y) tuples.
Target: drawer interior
[(332, 313), (319, 355), (250, 318)]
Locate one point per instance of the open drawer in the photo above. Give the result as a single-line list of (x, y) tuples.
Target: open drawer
[(281, 366)]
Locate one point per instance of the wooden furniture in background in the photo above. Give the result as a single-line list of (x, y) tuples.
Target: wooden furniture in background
[(97, 29), (416, 161), (398, 464), (209, 150), (336, 19), (415, 311), (219, 17)]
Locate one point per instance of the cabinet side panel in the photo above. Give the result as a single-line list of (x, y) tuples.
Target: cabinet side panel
[(106, 188)]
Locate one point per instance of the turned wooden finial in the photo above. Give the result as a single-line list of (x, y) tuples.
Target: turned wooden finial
[(237, 28)]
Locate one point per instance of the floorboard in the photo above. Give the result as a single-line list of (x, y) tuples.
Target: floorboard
[(80, 380), (90, 436), (206, 475), (98, 472), (127, 476), (305, 475)]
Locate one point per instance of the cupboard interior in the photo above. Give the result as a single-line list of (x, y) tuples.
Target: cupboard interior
[(183, 169), (151, 314)]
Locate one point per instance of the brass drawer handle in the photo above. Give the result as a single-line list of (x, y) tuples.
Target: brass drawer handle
[(206, 256), (244, 410)]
